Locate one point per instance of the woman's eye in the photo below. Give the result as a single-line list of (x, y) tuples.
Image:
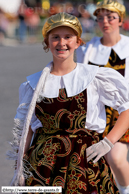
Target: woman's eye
[(110, 17), (100, 19), (55, 37)]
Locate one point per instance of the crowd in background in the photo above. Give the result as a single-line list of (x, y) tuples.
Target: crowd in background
[(25, 26)]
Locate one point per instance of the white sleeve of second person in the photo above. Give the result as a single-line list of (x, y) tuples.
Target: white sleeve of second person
[(127, 70), (108, 88), (25, 96), (113, 89)]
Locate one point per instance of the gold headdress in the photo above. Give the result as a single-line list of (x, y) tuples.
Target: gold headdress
[(62, 19), (111, 6)]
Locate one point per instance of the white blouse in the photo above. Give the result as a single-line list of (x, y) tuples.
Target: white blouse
[(105, 86)]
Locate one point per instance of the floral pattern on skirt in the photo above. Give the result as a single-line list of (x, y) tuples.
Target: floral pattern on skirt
[(60, 160)]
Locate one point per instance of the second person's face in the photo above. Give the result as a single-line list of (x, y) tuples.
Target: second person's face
[(107, 26), (62, 42)]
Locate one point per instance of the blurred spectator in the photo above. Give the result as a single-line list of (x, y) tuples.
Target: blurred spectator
[(125, 25), (87, 24), (61, 7), (53, 9), (32, 21), (3, 26), (86, 20), (22, 23)]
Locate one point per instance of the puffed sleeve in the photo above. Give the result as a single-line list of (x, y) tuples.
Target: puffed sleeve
[(112, 89), (25, 96)]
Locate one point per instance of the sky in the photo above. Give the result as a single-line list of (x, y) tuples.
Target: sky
[(10, 6)]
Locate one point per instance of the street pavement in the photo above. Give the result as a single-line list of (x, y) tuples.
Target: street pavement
[(16, 62)]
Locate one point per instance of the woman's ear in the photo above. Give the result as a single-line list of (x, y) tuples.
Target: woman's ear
[(121, 22), (46, 42), (79, 41), (46, 45)]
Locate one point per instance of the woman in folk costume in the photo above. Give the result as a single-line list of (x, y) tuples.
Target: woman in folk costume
[(111, 50), (64, 107)]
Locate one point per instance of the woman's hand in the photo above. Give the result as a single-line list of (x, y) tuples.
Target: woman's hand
[(98, 150)]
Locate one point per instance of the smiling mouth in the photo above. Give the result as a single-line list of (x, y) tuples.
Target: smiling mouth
[(61, 49)]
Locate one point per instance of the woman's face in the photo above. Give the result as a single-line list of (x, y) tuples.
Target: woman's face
[(62, 42), (109, 22)]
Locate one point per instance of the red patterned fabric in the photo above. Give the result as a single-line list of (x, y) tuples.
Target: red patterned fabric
[(57, 156)]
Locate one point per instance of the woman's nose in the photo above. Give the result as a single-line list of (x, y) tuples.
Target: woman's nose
[(105, 19), (62, 41)]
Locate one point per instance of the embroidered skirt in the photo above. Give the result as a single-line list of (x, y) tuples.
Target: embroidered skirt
[(57, 156), (60, 160)]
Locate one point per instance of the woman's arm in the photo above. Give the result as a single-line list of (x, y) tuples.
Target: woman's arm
[(104, 146), (121, 126), (113, 91), (28, 140)]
